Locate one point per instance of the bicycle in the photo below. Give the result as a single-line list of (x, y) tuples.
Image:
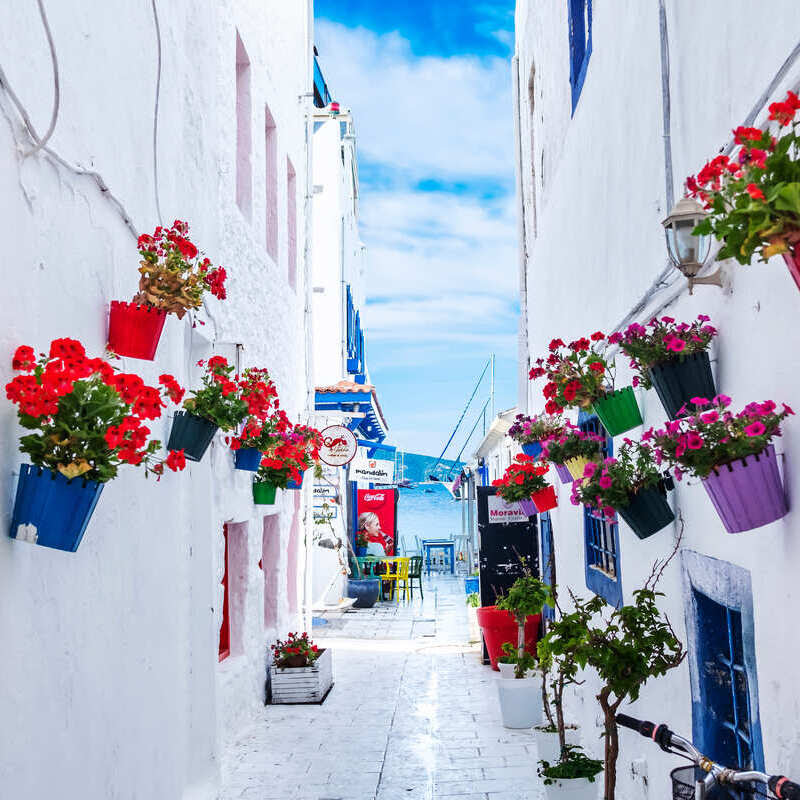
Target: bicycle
[(697, 782)]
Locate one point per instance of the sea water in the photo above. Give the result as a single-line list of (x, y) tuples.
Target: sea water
[(427, 512)]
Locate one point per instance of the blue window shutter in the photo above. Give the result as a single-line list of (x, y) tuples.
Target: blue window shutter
[(601, 538), (580, 45), (548, 558)]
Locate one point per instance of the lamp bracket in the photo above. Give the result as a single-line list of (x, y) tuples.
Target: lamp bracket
[(715, 279)]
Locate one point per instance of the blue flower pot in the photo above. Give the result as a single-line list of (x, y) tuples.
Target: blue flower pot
[(532, 449), (365, 591), (192, 434), (360, 551), (296, 484), (472, 585), (50, 510), (248, 458)]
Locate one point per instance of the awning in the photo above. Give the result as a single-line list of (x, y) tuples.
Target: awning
[(358, 398)]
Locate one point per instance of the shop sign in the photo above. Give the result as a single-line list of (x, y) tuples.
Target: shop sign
[(372, 470), (502, 512), (339, 445)]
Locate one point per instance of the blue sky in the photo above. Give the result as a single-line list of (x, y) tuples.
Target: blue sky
[(429, 85)]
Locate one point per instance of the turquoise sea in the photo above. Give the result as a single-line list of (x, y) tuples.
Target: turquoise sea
[(425, 514)]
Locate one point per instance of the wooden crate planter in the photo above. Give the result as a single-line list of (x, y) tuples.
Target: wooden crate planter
[(303, 684)]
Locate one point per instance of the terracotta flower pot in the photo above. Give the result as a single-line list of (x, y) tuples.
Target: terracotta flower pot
[(499, 626), (50, 510), (545, 500), (678, 381), (264, 494), (792, 259), (192, 434), (647, 513), (134, 330), (618, 411), (749, 492)]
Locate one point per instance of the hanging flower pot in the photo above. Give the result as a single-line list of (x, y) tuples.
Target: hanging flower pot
[(52, 511), (134, 330), (792, 259), (563, 473), (264, 494), (618, 411), (545, 500), (247, 458), (532, 449), (575, 466), (192, 434), (528, 507), (749, 492), (296, 484), (647, 513), (677, 382)]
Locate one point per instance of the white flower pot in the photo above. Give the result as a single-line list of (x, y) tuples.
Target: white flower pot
[(547, 743), (574, 788), (506, 670), (520, 701)]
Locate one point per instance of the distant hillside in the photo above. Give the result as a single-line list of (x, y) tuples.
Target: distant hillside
[(417, 467)]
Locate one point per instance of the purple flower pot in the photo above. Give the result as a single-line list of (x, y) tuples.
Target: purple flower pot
[(749, 492), (532, 449), (563, 473), (528, 508)]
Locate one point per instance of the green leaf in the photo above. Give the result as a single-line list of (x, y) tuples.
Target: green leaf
[(788, 198)]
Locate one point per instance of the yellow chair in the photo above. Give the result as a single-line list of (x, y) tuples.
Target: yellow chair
[(401, 577)]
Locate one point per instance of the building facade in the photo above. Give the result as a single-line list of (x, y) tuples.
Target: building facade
[(615, 106), (130, 663)]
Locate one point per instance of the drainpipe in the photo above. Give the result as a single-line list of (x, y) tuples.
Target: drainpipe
[(523, 347)]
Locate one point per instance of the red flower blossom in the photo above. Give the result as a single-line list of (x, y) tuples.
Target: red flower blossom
[(755, 192), (176, 460), (24, 358), (597, 336)]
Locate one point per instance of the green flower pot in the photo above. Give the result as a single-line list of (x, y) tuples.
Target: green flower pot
[(618, 411), (264, 494)]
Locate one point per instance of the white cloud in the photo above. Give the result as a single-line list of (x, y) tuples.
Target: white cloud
[(445, 115)]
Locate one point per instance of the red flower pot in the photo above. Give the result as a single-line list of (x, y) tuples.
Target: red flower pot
[(792, 259), (134, 330), (545, 500), (499, 627)]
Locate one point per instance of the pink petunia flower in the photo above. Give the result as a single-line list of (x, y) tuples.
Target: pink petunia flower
[(755, 429), (709, 417), (676, 345), (605, 482), (694, 441), (722, 400)]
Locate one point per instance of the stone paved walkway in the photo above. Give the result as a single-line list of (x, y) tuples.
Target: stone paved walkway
[(413, 714)]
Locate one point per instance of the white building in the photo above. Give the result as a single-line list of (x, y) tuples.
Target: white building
[(114, 682), (613, 103)]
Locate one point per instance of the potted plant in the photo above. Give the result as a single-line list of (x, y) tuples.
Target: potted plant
[(361, 544), (753, 198), (530, 432), (173, 279), (579, 376), (631, 645), (300, 671), (520, 698), (311, 438), (87, 419), (572, 451), (671, 357), (280, 464), (572, 776), (523, 483), (630, 484), (733, 455)]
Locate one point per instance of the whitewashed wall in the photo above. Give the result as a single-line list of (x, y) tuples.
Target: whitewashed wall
[(111, 682), (594, 193)]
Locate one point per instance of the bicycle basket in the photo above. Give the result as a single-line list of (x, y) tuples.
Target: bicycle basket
[(683, 779)]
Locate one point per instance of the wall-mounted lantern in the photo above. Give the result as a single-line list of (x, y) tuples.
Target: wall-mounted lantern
[(688, 252)]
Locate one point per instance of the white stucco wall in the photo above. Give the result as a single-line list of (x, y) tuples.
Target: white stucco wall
[(596, 244), (112, 686)]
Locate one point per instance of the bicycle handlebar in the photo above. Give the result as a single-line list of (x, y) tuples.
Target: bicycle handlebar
[(779, 785), (783, 788)]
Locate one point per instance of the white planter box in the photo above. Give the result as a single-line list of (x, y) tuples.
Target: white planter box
[(520, 701), (303, 684)]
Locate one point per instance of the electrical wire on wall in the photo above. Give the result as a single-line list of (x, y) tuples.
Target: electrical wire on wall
[(155, 112)]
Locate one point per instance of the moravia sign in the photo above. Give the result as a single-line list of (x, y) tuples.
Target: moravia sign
[(372, 470), (339, 446)]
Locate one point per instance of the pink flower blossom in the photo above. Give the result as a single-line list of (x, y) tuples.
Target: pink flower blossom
[(788, 409), (668, 320), (709, 417), (755, 429), (694, 441), (678, 473), (589, 469), (615, 338), (700, 401), (605, 482), (676, 345), (703, 318), (722, 400)]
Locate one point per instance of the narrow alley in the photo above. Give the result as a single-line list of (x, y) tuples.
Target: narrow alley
[(413, 714)]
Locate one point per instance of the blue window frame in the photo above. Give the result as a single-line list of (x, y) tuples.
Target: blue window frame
[(601, 538), (355, 340), (322, 97), (720, 629), (580, 45), (548, 558)]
